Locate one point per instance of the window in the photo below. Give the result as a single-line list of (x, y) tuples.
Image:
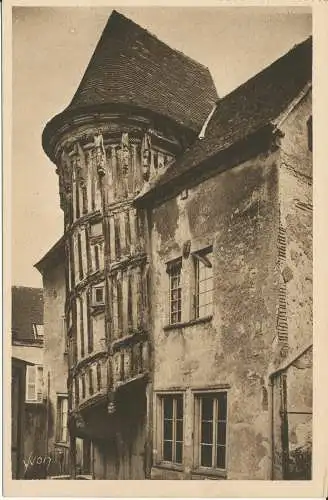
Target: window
[(96, 229), (34, 384), (38, 331), (211, 430), (79, 251), (174, 271), (62, 410), (98, 295), (203, 298), (172, 428)]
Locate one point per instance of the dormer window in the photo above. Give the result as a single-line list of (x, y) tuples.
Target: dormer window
[(38, 331)]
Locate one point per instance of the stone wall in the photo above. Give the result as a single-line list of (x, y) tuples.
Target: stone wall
[(237, 213)]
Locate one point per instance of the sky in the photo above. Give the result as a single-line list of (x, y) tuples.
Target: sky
[(51, 50)]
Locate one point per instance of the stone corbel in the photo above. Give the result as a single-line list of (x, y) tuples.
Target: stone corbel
[(81, 165), (66, 173), (125, 152), (76, 422), (146, 156), (100, 154)]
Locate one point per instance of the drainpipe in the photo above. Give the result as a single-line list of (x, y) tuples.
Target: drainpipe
[(272, 375)]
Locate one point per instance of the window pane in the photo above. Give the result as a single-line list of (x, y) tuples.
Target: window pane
[(207, 432), (179, 407), (168, 407), (179, 430), (168, 428), (207, 408), (222, 406), (167, 451), (30, 392), (31, 374), (220, 457), (221, 433), (178, 453), (206, 455)]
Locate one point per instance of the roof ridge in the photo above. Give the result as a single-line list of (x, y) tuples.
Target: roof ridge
[(260, 73)]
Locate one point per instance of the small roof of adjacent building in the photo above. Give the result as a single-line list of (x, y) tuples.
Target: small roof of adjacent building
[(54, 256), (130, 66), (27, 311), (246, 110)]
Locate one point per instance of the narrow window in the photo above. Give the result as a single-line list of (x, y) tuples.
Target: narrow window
[(62, 410), (97, 264), (172, 428), (130, 310), (77, 199), (203, 296), (212, 430), (174, 271), (117, 234), (83, 385), (90, 382), (79, 250), (98, 377)]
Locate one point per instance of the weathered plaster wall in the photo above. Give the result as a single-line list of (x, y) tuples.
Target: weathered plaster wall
[(55, 359), (296, 218), (237, 212)]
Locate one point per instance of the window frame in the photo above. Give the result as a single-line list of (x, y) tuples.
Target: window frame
[(95, 288), (160, 397), (213, 469), (37, 390), (59, 419), (201, 256), (170, 269)]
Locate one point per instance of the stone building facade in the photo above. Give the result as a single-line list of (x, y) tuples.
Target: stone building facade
[(188, 263)]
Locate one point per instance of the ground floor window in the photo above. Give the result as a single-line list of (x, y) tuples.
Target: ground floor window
[(211, 430), (171, 407)]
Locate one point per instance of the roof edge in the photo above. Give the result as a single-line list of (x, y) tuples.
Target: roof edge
[(205, 168), (53, 253)]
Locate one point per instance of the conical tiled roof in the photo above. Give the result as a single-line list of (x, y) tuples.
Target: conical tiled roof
[(131, 66)]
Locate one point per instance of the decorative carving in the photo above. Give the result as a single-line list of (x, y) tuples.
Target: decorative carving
[(81, 165), (66, 172), (146, 156), (125, 152), (100, 153), (186, 249)]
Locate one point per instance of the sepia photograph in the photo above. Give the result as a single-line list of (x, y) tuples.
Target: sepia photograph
[(162, 243)]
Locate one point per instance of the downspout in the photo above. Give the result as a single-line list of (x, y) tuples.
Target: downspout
[(271, 431)]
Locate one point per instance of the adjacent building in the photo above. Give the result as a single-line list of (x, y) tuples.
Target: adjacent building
[(28, 413), (184, 275)]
